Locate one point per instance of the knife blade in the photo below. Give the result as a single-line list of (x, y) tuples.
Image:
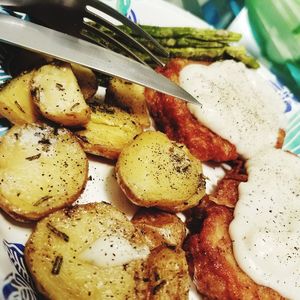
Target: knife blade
[(59, 45)]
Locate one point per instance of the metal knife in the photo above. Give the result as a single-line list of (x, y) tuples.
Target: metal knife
[(43, 40)]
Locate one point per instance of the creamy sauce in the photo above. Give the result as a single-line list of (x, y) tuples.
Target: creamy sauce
[(113, 251), (266, 226), (237, 104)]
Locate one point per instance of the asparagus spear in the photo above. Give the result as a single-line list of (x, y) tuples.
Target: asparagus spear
[(196, 33), (196, 53), (240, 54), (173, 41), (213, 45), (182, 42)]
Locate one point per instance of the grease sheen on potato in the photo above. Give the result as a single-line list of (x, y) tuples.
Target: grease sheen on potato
[(41, 170), (153, 171)]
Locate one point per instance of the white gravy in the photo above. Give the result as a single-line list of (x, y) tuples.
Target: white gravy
[(237, 104), (266, 226)]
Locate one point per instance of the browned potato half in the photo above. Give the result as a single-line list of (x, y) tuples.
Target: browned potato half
[(86, 79), (154, 171), (129, 96), (109, 130), (41, 170), (159, 228), (16, 103), (90, 251), (56, 92), (169, 278)]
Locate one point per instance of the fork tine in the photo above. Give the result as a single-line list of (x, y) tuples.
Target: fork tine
[(124, 20), (91, 28), (126, 37)]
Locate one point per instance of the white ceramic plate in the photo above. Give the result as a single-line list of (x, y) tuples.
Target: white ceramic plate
[(14, 280)]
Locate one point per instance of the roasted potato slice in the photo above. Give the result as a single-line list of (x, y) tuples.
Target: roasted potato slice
[(169, 277), (90, 251), (56, 92), (86, 79), (109, 130), (165, 174), (159, 227), (129, 96), (41, 170), (16, 103)]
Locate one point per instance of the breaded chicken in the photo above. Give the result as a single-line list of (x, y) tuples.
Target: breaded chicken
[(211, 260), (173, 117), (226, 192)]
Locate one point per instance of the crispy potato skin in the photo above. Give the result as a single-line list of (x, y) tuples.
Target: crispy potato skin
[(173, 117), (41, 169), (212, 264), (160, 228), (168, 274), (77, 278), (166, 175)]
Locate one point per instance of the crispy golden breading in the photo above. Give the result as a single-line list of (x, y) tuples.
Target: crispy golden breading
[(226, 192), (173, 117), (212, 264)]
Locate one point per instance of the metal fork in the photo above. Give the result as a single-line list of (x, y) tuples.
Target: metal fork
[(71, 16)]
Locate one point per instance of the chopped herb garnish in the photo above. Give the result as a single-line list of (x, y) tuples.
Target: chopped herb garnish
[(57, 232), (37, 156), (44, 141), (19, 107), (60, 87), (74, 105), (57, 265), (41, 200)]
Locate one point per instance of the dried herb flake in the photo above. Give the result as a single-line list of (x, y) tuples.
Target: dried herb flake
[(57, 232), (19, 107), (57, 265), (37, 156), (41, 200)]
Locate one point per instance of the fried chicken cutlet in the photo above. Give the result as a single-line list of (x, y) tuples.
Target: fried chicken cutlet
[(173, 117), (235, 117), (212, 263)]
